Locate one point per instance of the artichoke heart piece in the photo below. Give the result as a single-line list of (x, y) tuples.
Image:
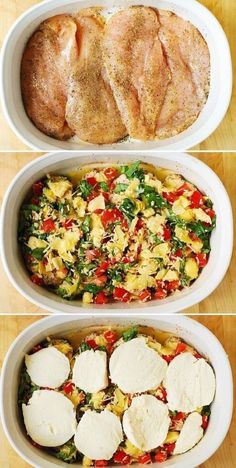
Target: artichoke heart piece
[(97, 231), (155, 223), (183, 236), (60, 187), (35, 243), (80, 206), (191, 268)]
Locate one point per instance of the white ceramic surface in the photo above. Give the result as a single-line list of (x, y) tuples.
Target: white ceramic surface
[(191, 331), (192, 169), (201, 17)]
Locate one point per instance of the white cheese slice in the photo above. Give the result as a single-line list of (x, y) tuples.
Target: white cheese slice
[(135, 367), (90, 371), (48, 367), (190, 434), (98, 435), (189, 382), (49, 418), (146, 422)]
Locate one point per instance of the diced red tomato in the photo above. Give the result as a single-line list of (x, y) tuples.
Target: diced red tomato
[(196, 199), (181, 348), (68, 388), (139, 225), (168, 357), (202, 259), (210, 212), (178, 417), (198, 356), (161, 456), (101, 463), (38, 188), (92, 181), (178, 254), (92, 254), (111, 215), (98, 211), (102, 268), (106, 196), (92, 343), (161, 394), (145, 295), (182, 189), (172, 285), (68, 224), (111, 173), (48, 225), (166, 234), (110, 336), (34, 200), (127, 260), (160, 293), (100, 280), (92, 195), (205, 422), (37, 280), (112, 186), (171, 197), (101, 298), (120, 294), (170, 448), (145, 459), (36, 348), (121, 457), (193, 236), (124, 224)]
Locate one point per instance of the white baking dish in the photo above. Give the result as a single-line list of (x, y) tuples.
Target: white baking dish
[(191, 331), (209, 119), (192, 169)]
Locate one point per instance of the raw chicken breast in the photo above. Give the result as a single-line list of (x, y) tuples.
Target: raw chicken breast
[(189, 61), (45, 68), (91, 109), (137, 68)]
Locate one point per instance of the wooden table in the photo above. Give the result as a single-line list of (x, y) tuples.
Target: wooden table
[(222, 300), (224, 327), (224, 138)]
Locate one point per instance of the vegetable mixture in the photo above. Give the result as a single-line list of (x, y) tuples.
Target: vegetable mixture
[(108, 234), (112, 398)]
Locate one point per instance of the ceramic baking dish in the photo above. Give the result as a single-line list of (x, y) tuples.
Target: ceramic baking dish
[(201, 17)]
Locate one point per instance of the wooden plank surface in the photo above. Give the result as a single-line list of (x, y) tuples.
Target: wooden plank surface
[(224, 327), (224, 138), (222, 300)]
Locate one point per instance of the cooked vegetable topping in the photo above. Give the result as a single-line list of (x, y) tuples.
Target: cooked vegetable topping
[(116, 234), (173, 428)]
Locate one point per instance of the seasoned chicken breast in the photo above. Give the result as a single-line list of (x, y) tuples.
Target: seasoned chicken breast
[(137, 68), (189, 62), (91, 110), (45, 68)]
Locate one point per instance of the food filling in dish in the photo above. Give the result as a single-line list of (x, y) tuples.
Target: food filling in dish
[(138, 72), (131, 395), (124, 233)]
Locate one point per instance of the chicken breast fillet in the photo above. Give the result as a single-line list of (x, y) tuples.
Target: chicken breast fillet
[(45, 68), (91, 109), (137, 68), (189, 62)]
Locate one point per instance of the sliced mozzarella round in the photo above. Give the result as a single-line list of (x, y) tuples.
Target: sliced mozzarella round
[(146, 422), (48, 367), (49, 418), (135, 367), (98, 435), (90, 371), (189, 382), (190, 434)]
